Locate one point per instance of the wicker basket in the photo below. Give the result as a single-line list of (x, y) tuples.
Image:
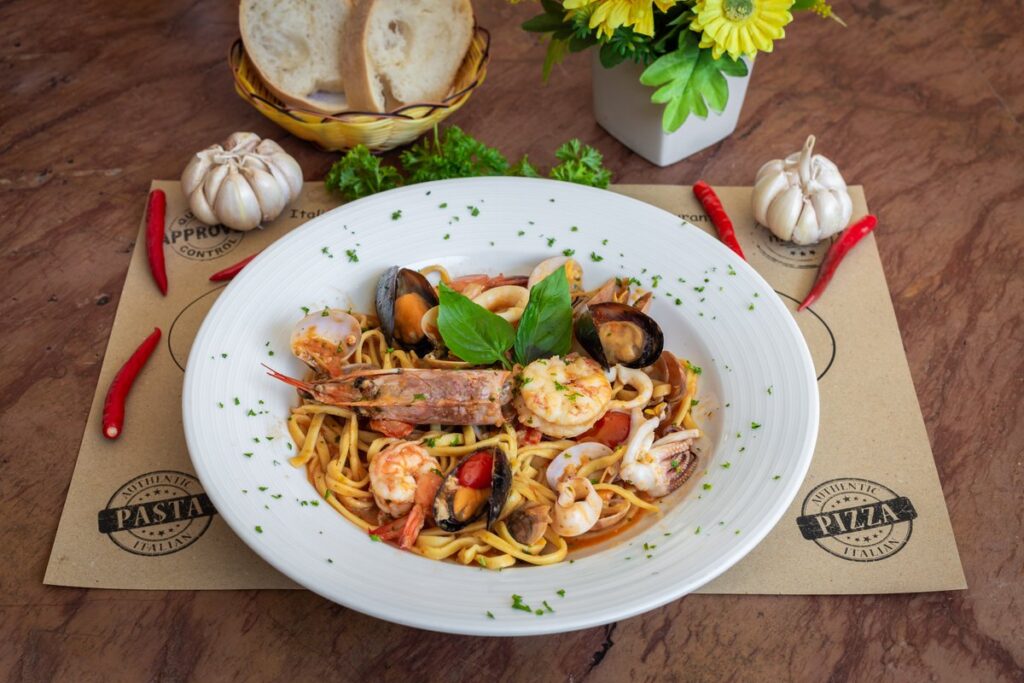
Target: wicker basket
[(379, 132)]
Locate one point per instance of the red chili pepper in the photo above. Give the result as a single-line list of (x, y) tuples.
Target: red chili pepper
[(719, 218), (853, 234), (156, 212), (113, 406), (232, 271), (475, 471)]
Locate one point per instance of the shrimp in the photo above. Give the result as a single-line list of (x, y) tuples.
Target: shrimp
[(395, 473), (577, 509), (562, 398), (657, 467), (415, 395)]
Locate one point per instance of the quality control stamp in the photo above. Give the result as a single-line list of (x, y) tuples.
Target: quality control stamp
[(196, 241), (157, 513), (857, 519)]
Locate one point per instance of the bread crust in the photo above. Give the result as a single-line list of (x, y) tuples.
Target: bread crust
[(355, 63)]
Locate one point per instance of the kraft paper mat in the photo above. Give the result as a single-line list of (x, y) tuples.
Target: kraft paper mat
[(870, 517)]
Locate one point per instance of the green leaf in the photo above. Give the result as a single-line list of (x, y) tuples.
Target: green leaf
[(545, 329), (581, 164), (524, 168), (557, 48), (543, 23), (689, 81), (802, 5), (610, 57), (473, 333), (456, 155), (360, 174)]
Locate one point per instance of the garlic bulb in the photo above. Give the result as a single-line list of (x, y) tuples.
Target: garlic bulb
[(241, 183), (802, 198)]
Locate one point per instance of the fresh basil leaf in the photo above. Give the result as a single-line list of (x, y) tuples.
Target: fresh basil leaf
[(473, 333), (545, 329)]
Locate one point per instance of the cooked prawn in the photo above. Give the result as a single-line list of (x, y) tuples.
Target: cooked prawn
[(562, 398), (395, 473)]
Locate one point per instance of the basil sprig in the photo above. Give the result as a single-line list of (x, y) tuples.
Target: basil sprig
[(545, 329), (472, 332), (478, 336)]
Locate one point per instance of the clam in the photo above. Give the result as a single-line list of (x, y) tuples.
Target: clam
[(464, 497), (573, 271), (528, 524), (618, 334), (668, 369), (325, 339), (403, 297), (574, 457)]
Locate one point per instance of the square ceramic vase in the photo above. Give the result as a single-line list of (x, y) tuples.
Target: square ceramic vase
[(623, 107)]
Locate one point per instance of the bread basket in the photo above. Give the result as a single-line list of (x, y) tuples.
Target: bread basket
[(378, 131)]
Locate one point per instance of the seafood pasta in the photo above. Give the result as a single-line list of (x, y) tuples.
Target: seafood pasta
[(493, 420)]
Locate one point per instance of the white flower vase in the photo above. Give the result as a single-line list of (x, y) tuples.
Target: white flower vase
[(623, 107)]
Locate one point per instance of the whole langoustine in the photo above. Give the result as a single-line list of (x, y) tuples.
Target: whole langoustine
[(415, 395)]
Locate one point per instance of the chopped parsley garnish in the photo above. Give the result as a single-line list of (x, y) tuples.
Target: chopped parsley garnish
[(679, 301), (706, 487), (352, 256), (481, 561), (263, 488), (304, 309), (443, 205), (726, 465), (699, 289), (517, 603), (695, 369), (595, 257), (697, 530), (750, 307), (419, 397), (693, 402), (375, 538), (447, 236), (326, 252), (777, 477), (395, 215), (561, 592), (547, 606), (559, 386), (247, 454), (251, 413), (276, 496), (327, 494), (521, 233), (489, 614), (675, 464), (223, 355), (259, 529), (770, 390), (219, 404), (568, 252), (473, 211), (551, 241), (431, 442), (731, 271), (574, 229), (655, 279), (755, 425)]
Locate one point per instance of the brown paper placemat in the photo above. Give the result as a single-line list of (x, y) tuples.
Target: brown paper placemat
[(870, 517)]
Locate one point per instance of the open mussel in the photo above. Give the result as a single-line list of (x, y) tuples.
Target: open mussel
[(403, 297), (618, 334), (479, 484)]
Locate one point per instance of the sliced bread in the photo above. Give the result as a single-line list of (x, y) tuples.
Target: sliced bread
[(398, 52), (296, 46)]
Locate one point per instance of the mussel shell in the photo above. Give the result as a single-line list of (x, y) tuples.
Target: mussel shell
[(501, 484), (393, 284), (590, 320)]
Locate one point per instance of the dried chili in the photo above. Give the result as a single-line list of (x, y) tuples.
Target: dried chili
[(156, 212), (231, 271), (113, 406), (853, 234), (719, 218)]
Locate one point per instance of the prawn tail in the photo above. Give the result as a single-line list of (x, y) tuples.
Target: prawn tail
[(291, 381), (411, 531)]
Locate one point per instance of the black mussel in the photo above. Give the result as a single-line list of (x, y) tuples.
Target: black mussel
[(479, 484), (403, 297), (618, 334)]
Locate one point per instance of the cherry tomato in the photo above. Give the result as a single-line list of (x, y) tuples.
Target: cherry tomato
[(475, 471), (528, 436), (611, 430)]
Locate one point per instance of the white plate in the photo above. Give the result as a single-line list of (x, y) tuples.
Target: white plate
[(756, 371)]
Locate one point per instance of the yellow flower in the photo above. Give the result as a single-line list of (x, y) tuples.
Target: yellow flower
[(740, 27), (608, 15)]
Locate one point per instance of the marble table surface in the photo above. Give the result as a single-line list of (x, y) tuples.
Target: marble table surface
[(921, 102)]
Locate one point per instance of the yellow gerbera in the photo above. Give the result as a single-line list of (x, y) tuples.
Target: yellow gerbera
[(740, 27), (608, 15)]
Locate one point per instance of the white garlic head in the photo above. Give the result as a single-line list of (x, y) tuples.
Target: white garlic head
[(241, 183), (802, 198)]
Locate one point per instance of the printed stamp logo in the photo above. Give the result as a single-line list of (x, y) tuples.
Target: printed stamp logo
[(158, 513), (857, 519), (789, 254), (200, 242)]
